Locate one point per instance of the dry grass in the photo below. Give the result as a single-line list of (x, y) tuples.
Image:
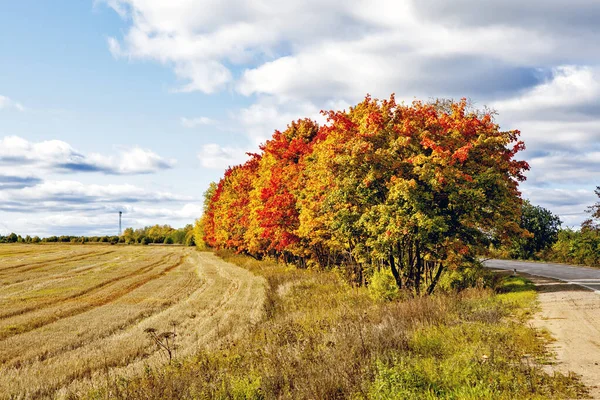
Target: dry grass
[(72, 315), (322, 339)]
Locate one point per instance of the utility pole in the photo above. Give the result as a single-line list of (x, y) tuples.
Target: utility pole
[(120, 213)]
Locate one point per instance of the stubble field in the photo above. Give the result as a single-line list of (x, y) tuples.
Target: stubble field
[(72, 316)]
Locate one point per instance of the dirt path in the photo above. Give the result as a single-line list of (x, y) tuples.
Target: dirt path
[(572, 315)]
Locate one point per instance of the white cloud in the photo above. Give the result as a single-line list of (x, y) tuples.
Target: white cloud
[(66, 223), (569, 86), (8, 103), (116, 5), (564, 167), (560, 124), (262, 118), (197, 121), (410, 58), (17, 180), (189, 211), (68, 191), (216, 156), (302, 49), (74, 208), (204, 76), (569, 204), (540, 70), (100, 221), (131, 161), (60, 156)]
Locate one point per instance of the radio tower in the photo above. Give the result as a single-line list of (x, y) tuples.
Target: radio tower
[(120, 213)]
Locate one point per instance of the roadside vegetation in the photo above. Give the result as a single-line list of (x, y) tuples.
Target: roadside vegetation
[(581, 246), (546, 240), (324, 338)]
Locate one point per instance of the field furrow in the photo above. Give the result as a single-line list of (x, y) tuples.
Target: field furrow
[(54, 263), (79, 320), (76, 281), (95, 296), (8, 255), (41, 281)]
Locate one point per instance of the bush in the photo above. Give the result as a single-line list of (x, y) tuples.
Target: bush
[(577, 247), (383, 286), (189, 240), (468, 276)]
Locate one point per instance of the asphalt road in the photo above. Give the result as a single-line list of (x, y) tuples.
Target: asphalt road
[(582, 276)]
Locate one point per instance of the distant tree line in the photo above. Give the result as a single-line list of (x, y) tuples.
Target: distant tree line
[(160, 234), (163, 234), (14, 238)]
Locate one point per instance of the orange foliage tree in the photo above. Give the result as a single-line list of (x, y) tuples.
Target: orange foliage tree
[(417, 189)]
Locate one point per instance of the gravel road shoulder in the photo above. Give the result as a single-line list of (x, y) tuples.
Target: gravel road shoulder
[(571, 314)]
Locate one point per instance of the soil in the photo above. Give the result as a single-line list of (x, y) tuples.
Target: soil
[(571, 314)]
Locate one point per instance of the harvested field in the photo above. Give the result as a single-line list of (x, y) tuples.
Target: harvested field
[(71, 316)]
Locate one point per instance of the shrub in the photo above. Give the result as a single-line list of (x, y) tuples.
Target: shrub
[(578, 247), (468, 276), (382, 286)]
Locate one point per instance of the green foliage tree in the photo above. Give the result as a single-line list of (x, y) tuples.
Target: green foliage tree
[(542, 227), (594, 210), (12, 238), (582, 246)]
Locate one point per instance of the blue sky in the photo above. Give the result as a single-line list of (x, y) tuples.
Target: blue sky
[(137, 105)]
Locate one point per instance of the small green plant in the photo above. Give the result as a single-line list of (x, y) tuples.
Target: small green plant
[(382, 286)]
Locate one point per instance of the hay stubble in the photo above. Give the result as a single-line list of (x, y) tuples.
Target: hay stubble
[(72, 314)]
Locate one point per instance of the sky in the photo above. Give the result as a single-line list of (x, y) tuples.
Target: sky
[(137, 105)]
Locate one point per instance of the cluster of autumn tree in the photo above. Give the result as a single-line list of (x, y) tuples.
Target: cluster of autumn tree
[(412, 189)]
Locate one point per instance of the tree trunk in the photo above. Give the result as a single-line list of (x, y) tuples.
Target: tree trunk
[(418, 269), (395, 270), (435, 280)]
